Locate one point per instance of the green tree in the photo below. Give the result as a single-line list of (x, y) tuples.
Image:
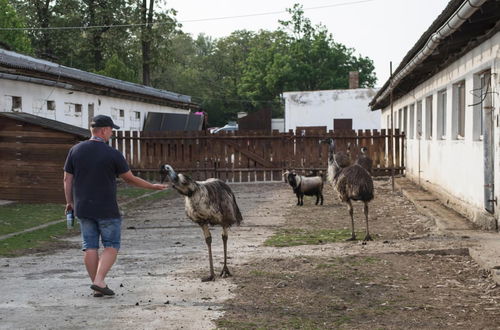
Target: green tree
[(16, 40), (115, 68)]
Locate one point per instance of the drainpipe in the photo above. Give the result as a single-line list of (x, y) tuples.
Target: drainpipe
[(465, 11)]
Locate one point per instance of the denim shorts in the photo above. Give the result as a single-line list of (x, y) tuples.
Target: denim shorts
[(108, 230)]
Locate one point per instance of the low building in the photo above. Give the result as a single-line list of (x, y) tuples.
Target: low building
[(73, 96), (33, 151), (445, 97), (335, 109)]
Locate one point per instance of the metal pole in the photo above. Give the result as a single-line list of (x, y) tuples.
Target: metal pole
[(391, 135)]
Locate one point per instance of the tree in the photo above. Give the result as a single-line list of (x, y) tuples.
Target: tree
[(115, 68), (16, 40)]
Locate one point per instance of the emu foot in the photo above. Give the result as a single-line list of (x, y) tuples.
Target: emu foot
[(208, 278), (225, 272), (367, 238), (353, 238)]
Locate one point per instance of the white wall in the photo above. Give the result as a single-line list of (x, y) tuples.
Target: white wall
[(319, 108), (451, 164), (34, 101)]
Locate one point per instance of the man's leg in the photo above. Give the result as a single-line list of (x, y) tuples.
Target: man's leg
[(91, 261), (106, 261)]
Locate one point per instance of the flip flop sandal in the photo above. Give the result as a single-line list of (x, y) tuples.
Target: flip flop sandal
[(105, 291)]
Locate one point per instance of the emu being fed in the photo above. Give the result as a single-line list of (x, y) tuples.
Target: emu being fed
[(351, 182), (209, 202)]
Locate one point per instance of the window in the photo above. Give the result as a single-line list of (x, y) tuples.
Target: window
[(137, 115), (458, 112), (411, 134), (428, 118), (51, 105), (481, 98), (122, 113), (405, 119), (17, 103), (419, 119), (400, 119), (78, 108), (441, 114)]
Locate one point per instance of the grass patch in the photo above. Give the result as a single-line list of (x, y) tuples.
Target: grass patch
[(18, 216), (36, 240), (294, 237)]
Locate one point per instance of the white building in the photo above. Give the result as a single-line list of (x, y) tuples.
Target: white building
[(446, 99), (73, 96), (341, 109)]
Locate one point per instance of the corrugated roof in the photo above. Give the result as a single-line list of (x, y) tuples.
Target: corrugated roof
[(47, 123), (468, 36), (18, 61)]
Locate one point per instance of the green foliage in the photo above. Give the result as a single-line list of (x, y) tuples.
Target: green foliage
[(16, 40), (115, 68), (38, 239), (245, 71), (294, 237), (18, 216)]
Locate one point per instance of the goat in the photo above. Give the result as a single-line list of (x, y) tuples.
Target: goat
[(209, 202), (302, 185), (364, 160), (351, 182)]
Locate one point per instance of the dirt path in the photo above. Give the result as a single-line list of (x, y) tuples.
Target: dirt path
[(408, 273), (156, 277)]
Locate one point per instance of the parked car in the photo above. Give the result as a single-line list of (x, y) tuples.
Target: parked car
[(226, 128)]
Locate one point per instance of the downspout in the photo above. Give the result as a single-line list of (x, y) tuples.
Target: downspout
[(465, 11)]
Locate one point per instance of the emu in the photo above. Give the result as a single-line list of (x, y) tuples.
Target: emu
[(209, 202), (364, 160), (351, 182), (302, 185)]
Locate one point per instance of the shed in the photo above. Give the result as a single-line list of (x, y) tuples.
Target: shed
[(33, 151)]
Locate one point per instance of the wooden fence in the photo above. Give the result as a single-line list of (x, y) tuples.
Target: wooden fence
[(247, 156)]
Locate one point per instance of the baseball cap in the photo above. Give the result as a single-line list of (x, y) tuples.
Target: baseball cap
[(103, 121)]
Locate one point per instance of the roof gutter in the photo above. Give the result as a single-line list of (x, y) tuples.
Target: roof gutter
[(465, 11)]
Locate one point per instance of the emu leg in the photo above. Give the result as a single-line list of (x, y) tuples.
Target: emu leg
[(301, 199), (367, 237), (208, 240), (321, 197), (298, 199), (225, 271), (317, 199), (351, 213)]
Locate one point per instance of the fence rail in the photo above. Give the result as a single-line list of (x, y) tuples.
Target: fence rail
[(247, 156)]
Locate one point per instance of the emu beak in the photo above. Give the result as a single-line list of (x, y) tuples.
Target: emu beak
[(169, 171)]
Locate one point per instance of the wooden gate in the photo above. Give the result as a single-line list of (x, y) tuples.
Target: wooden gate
[(247, 156)]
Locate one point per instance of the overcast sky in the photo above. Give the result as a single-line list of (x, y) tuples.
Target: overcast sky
[(383, 30)]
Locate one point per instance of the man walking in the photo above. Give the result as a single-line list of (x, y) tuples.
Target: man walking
[(90, 175)]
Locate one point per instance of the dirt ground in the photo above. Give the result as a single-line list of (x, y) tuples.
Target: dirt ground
[(410, 276)]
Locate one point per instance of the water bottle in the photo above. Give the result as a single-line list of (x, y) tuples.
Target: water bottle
[(70, 219)]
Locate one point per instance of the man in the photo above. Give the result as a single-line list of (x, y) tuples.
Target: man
[(90, 175)]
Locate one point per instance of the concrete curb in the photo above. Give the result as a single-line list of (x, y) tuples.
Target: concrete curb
[(486, 248)]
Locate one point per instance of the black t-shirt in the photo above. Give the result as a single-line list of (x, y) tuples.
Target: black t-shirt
[(95, 166)]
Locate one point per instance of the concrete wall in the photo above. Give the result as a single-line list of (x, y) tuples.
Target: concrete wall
[(449, 164), (320, 108), (127, 114)]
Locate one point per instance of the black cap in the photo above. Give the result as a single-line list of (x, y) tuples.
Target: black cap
[(103, 121)]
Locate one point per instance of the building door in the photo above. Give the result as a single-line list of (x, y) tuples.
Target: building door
[(90, 112), (342, 124)]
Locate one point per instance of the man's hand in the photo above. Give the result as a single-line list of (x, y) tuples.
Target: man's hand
[(160, 186), (69, 207)]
